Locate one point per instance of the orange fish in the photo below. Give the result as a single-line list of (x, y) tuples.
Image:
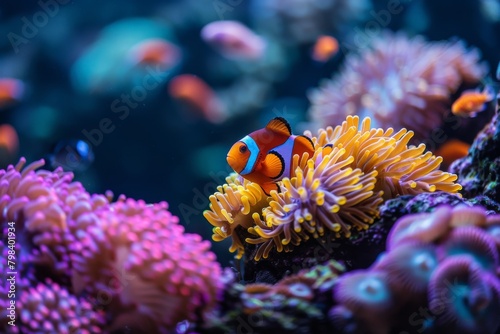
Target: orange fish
[(472, 101), (9, 139), (265, 156), (452, 150), (325, 48), (11, 90), (155, 51), (198, 94)]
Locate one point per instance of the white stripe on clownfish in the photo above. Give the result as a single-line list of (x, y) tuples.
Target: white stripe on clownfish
[(254, 154), (285, 151)]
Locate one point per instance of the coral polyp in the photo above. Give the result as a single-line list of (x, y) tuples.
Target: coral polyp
[(141, 257), (50, 308)]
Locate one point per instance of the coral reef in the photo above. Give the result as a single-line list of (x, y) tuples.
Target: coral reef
[(390, 223), (444, 281), (295, 304), (399, 82), (354, 169), (444, 262), (478, 171), (126, 262)]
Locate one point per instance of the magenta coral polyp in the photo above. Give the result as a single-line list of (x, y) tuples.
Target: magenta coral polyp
[(167, 274), (50, 308)]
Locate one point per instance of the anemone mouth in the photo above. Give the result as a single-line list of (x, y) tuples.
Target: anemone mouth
[(465, 298), (472, 241), (423, 227), (409, 268)]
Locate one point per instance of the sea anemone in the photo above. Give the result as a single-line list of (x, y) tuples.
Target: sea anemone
[(320, 197), (368, 295), (398, 82), (233, 205), (409, 268), (46, 204), (353, 169), (343, 320), (473, 241), (402, 169), (50, 308), (425, 227), (324, 276), (296, 286), (465, 299), (463, 215), (141, 256)]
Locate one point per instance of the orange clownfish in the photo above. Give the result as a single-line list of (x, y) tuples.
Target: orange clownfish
[(265, 156), (471, 102)]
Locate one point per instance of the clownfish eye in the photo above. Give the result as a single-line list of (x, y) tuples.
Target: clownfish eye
[(243, 148)]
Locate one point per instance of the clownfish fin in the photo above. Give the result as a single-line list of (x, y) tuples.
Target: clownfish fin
[(327, 149), (274, 165), (306, 142), (268, 187), (279, 125)]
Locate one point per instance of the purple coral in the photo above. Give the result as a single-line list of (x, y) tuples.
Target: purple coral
[(132, 259), (447, 258), (46, 204), (50, 308), (473, 241), (425, 227), (368, 296), (399, 82), (464, 298), (409, 268)]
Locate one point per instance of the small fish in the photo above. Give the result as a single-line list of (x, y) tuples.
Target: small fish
[(450, 151), (11, 91), (325, 48), (9, 139), (72, 155), (472, 101), (233, 40), (198, 95), (265, 156), (155, 51)]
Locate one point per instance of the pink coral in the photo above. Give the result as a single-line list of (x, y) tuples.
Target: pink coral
[(139, 255), (45, 204), (50, 308), (133, 259), (399, 82)]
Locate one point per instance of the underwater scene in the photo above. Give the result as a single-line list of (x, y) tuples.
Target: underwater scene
[(250, 166)]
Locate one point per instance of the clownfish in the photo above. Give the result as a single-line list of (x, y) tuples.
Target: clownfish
[(265, 156), (472, 101)]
